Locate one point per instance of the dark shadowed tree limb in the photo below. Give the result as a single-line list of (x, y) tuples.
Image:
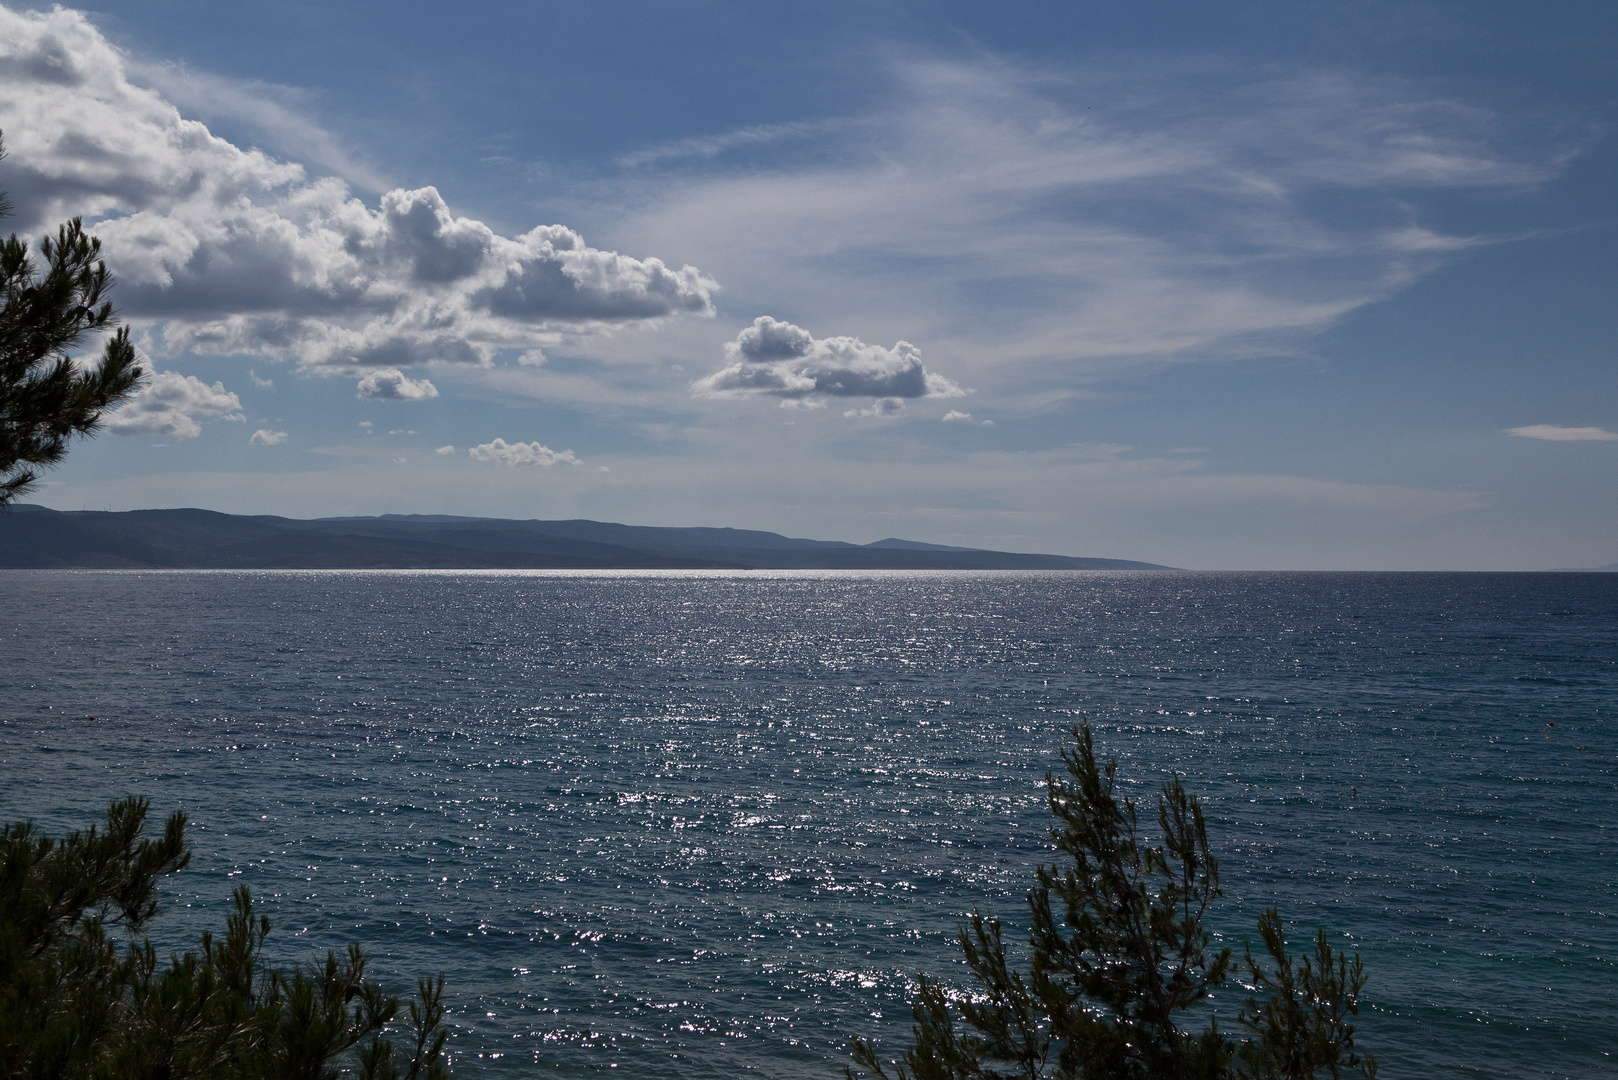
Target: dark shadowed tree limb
[(46, 312)]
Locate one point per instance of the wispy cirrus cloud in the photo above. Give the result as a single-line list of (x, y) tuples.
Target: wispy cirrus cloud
[(267, 108), (704, 147), (1556, 433), (1034, 229)]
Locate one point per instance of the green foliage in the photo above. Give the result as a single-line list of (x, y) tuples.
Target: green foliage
[(73, 1003), (45, 398), (1120, 960), (1301, 1026)]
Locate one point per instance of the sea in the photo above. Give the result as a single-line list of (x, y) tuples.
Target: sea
[(714, 824)]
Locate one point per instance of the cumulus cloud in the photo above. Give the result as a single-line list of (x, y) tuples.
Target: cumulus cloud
[(238, 253), (1554, 433), (266, 437), (170, 403), (521, 453), (444, 451), (390, 384), (779, 359), (956, 416)]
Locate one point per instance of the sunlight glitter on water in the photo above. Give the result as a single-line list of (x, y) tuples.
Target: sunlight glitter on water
[(700, 824)]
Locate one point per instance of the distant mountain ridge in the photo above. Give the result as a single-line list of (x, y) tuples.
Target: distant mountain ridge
[(39, 538)]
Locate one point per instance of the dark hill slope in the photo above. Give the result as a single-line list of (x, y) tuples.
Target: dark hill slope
[(35, 537)]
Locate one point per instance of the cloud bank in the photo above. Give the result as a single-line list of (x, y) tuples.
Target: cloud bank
[(778, 359), (237, 253)]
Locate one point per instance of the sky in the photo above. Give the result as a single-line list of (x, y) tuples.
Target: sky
[(1236, 286)]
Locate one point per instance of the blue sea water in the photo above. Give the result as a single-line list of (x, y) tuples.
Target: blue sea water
[(710, 824)]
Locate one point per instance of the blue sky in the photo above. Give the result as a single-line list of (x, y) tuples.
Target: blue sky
[(1251, 285)]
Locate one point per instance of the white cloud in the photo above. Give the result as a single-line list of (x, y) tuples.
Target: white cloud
[(782, 360), (390, 384), (1554, 433), (888, 406), (260, 106), (1034, 228), (1414, 238), (956, 416), (529, 453), (266, 437), (262, 384), (241, 254), (707, 146), (169, 403), (444, 451)]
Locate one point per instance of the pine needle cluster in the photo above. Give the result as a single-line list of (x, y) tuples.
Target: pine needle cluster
[(83, 994), (1121, 962), (46, 312)]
